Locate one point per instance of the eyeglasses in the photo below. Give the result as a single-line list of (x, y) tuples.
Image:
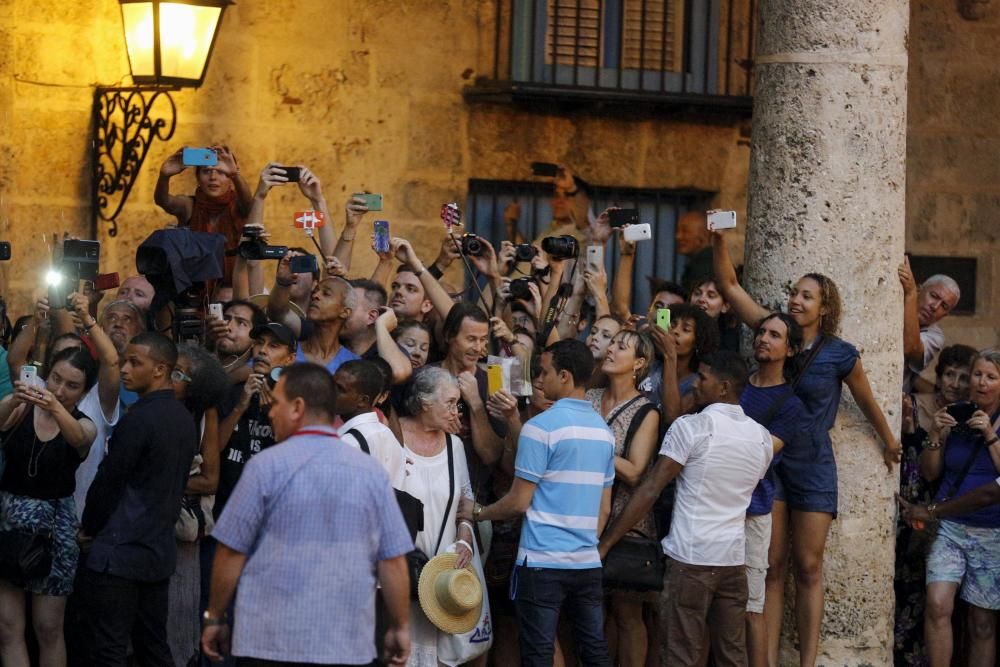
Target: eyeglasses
[(180, 376)]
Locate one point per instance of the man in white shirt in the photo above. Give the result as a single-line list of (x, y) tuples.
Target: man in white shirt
[(717, 456), (359, 384), (923, 308)]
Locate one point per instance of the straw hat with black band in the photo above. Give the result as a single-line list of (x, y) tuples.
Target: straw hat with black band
[(452, 599)]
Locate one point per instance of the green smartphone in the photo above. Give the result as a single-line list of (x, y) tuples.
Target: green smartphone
[(663, 318), (372, 200)]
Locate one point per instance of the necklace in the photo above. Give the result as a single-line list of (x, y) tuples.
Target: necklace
[(33, 459)]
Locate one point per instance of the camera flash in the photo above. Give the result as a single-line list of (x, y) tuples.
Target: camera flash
[(53, 278)]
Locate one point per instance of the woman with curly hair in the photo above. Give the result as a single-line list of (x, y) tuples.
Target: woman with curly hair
[(807, 474)]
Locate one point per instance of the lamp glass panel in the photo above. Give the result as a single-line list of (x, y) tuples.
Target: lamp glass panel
[(138, 20), (186, 33)]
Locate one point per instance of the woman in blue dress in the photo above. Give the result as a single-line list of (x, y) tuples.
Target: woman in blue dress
[(806, 501)]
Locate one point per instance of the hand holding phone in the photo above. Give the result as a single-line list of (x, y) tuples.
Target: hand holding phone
[(382, 244), (293, 174), (199, 157), (619, 217), (721, 220), (215, 310), (663, 318), (372, 200), (641, 232)]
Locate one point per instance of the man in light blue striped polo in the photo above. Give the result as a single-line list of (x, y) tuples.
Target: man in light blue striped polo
[(563, 475)]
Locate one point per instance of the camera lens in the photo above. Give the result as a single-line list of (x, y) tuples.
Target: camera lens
[(561, 247), (472, 245), (519, 289), (525, 252)]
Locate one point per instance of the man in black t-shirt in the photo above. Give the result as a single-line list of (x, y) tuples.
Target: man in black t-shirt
[(247, 429)]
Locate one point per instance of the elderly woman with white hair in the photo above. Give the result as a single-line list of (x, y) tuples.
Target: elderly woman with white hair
[(435, 472)]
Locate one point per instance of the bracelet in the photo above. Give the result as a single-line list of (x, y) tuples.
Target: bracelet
[(930, 444), (931, 509), (283, 283), (993, 441), (88, 327), (344, 237), (467, 545)]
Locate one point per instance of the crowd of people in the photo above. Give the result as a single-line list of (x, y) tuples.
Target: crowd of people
[(337, 468)]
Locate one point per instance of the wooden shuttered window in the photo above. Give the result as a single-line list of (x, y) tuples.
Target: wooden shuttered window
[(652, 34), (573, 36)]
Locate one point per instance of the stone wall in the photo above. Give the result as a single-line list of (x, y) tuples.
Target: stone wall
[(953, 170), (366, 93)]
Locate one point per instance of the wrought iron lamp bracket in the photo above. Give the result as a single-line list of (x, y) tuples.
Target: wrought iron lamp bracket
[(124, 129)]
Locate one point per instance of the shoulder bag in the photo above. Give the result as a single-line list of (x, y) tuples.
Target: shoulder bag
[(417, 559), (411, 507), (635, 562)]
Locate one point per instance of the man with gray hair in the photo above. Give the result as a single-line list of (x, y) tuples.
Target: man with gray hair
[(332, 302), (923, 308)]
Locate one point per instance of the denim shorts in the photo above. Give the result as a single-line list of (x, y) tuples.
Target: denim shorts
[(969, 556), (807, 486)]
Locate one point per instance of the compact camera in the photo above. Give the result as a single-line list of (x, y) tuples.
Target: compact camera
[(524, 252), (520, 289), (472, 245)]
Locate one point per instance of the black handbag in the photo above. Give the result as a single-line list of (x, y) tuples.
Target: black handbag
[(417, 559), (25, 555), (635, 562)]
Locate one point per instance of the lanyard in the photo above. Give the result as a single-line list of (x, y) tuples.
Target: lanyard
[(314, 431)]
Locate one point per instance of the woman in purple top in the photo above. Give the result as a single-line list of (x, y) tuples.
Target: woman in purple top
[(966, 551), (806, 501)]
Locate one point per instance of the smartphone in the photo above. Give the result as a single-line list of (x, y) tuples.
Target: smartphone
[(595, 255), (641, 232), (372, 200), (494, 378), (105, 281), (199, 157), (721, 220), (382, 236), (303, 264), (29, 376), (215, 310), (548, 169), (4, 251), (620, 217), (663, 318), (82, 256), (962, 411), (57, 296), (292, 174), (309, 219)]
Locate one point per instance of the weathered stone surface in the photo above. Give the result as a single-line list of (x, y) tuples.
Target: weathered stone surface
[(827, 188)]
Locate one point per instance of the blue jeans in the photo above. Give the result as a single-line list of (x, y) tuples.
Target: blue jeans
[(539, 595)]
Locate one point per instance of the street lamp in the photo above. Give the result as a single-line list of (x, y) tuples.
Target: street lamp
[(169, 44)]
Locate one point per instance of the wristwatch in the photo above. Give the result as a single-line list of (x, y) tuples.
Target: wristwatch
[(931, 509), (476, 511), (207, 619)]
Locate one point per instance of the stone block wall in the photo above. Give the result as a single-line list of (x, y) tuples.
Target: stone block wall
[(366, 93), (953, 144)]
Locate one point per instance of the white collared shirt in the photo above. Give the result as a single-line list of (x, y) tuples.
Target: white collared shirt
[(382, 444), (724, 454)]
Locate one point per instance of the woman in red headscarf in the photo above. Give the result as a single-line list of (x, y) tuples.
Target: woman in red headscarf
[(221, 202)]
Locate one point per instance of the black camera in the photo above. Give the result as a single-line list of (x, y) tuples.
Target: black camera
[(256, 248), (524, 252), (561, 247), (472, 245), (520, 289)]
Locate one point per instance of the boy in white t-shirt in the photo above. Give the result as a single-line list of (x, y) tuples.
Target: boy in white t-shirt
[(717, 456)]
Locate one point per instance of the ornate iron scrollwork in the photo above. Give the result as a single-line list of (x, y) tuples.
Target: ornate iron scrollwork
[(124, 129)]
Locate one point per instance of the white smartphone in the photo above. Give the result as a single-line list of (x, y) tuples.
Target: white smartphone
[(595, 255), (641, 232), (215, 310), (721, 220), (29, 376)]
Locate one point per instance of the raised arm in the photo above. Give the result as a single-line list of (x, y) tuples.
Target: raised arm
[(179, 207), (621, 289), (108, 374), (749, 311), (278, 309), (229, 166), (435, 292), (388, 350), (37, 330), (354, 213), (913, 347)]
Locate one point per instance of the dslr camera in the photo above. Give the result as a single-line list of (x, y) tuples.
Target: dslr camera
[(561, 247), (255, 247), (524, 252), (472, 245)]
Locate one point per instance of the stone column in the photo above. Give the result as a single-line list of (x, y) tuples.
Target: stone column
[(826, 194)]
